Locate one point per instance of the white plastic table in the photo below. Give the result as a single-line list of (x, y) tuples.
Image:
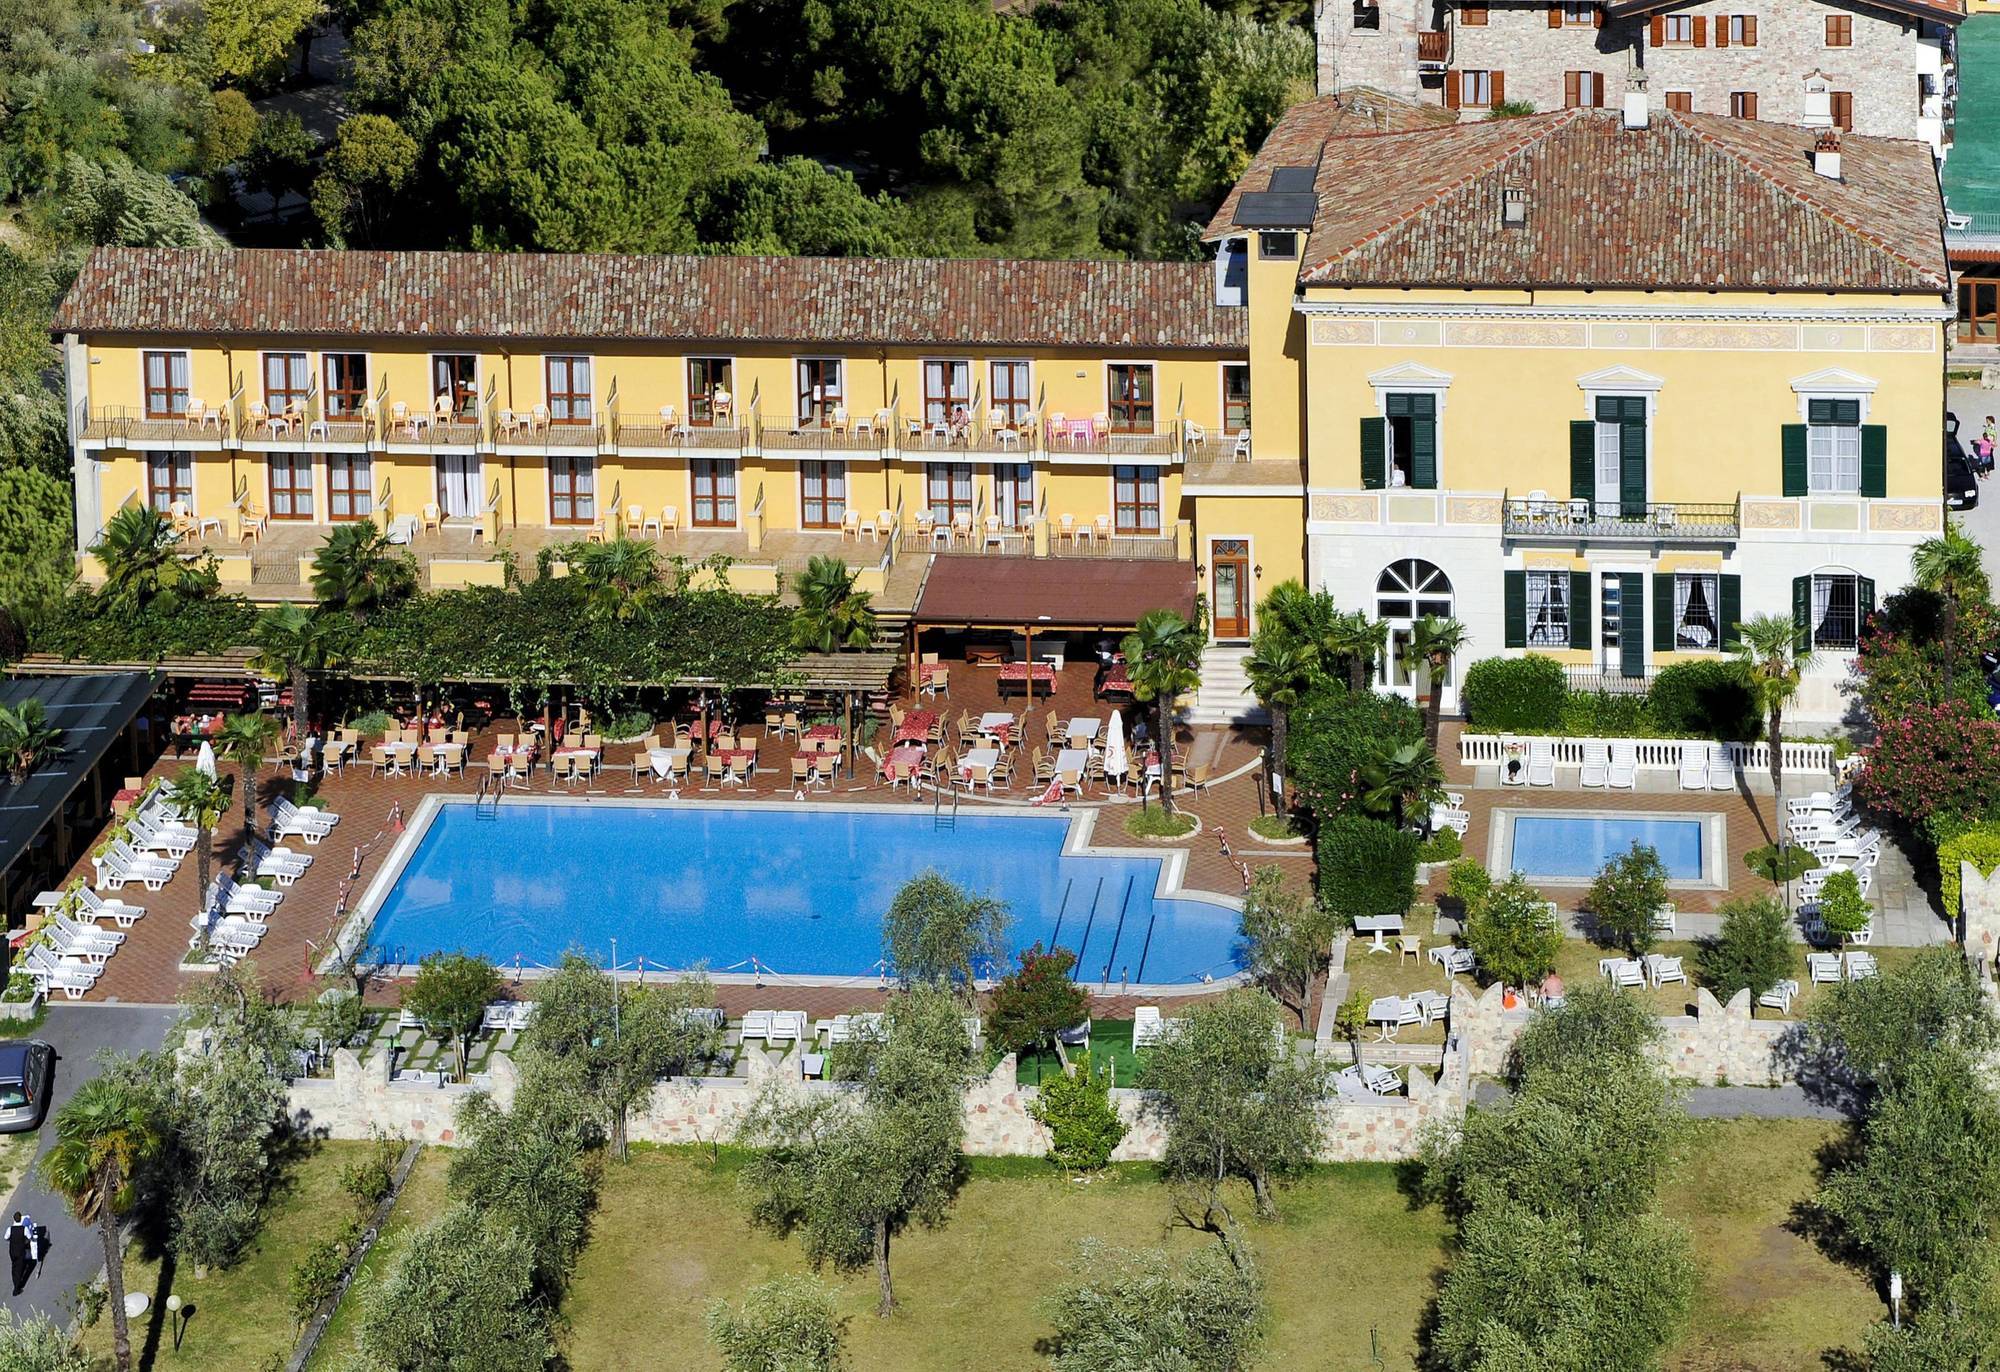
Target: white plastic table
[(1083, 728), (977, 757), (1378, 925), (1072, 760), (994, 719)]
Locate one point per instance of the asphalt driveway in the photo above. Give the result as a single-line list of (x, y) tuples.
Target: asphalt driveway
[(79, 1033)]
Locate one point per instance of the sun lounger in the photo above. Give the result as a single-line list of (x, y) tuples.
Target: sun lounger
[(1596, 765), (1822, 967), (1623, 770), (85, 934), (1779, 997), (1694, 768), (1622, 971), (240, 900), (71, 976), (294, 823), (1147, 1026), (503, 1016), (1458, 821), (115, 869), (1371, 1078), (1391, 1013), (1454, 960), (1431, 1005), (281, 865), (1721, 768), (1542, 762), (1860, 965), (91, 906), (1665, 917), (176, 843), (1662, 969)]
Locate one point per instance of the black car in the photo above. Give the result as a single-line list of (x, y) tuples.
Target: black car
[(1961, 488), (27, 1073)]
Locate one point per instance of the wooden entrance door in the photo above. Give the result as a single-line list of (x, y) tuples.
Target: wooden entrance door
[(1229, 586)]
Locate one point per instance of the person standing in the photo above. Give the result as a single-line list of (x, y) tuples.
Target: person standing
[(17, 1252), (36, 1236)]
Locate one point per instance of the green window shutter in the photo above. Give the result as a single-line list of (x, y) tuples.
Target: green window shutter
[(1819, 412), (1864, 596), (1632, 623), (1874, 460), (1795, 459), (1663, 612), (1374, 454), (1802, 612), (1424, 451), (1579, 610), (1732, 611), (1515, 585), (1632, 461), (1582, 459)]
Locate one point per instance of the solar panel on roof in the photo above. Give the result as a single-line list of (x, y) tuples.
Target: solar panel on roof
[(1276, 209), (1292, 179)]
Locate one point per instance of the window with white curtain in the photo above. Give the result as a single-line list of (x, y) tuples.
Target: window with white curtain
[(1548, 609), (1836, 610), (1697, 610), (1833, 447)]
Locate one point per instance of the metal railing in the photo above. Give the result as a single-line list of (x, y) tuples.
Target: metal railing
[(819, 434), (1655, 521)]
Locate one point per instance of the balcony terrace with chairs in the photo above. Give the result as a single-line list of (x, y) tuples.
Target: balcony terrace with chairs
[(822, 434), (200, 428), (1590, 521), (666, 434), (1067, 436)]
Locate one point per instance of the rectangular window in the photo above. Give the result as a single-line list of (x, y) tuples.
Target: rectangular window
[(1840, 30), (1676, 30), (1548, 609), (1833, 447), (1842, 104), (1697, 611), (350, 486), (170, 478), (286, 381), (291, 485), (166, 385), (1131, 401), (1009, 383), (1738, 30), (819, 389), (1014, 494), (1743, 104), (346, 384), (1836, 611), (1583, 89), (1475, 89), (948, 488), (572, 488), (709, 397), (1135, 500), (1473, 16), (1367, 17), (1235, 397), (1978, 310), (947, 390), (569, 389), (456, 375), (458, 485), (714, 499), (1681, 102), (1278, 247), (1577, 16), (1621, 443), (1411, 430), (822, 494)]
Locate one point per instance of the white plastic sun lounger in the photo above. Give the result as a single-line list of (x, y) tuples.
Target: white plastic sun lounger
[(175, 842), (1542, 763), (91, 905), (1147, 1026), (1624, 768), (71, 976), (1721, 768), (1694, 768), (1596, 765)]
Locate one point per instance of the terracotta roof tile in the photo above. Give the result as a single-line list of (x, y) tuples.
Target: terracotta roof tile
[(1692, 201), (308, 292)]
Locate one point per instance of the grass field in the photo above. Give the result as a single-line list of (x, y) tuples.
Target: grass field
[(1348, 1261)]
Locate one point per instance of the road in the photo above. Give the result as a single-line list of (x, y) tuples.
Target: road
[(79, 1033), (1982, 522)]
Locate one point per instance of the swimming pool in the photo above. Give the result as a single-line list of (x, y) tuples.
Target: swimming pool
[(1575, 846), (795, 891)]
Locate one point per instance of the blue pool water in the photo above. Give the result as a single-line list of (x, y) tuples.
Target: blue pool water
[(1574, 846), (802, 892)]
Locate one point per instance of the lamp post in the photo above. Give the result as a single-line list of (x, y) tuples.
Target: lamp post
[(180, 1316)]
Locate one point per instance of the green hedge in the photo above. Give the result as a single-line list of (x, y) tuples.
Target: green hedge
[(1332, 733), (1980, 847), (1512, 695), (1709, 698), (1366, 867)]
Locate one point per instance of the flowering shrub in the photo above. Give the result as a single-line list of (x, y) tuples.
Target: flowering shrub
[(1334, 734), (1937, 767), (1901, 662)]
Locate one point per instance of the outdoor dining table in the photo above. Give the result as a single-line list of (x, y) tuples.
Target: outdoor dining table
[(1016, 674), (1084, 728), (444, 755), (916, 726), (995, 719), (978, 757), (1117, 681), (831, 731), (1387, 1011), (1378, 926), (668, 760), (399, 755)]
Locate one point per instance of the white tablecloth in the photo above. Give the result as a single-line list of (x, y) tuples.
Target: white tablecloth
[(667, 759), (978, 757), (1085, 729), (1072, 760), (993, 719)]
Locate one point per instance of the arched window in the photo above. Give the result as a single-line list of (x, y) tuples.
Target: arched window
[(1411, 588)]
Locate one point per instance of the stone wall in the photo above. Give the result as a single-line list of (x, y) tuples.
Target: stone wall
[(1718, 1043), (1879, 69)]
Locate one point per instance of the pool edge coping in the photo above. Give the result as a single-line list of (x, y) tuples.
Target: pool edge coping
[(1715, 844), (1082, 827)]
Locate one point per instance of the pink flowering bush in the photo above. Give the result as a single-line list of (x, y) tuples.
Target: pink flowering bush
[(1936, 768)]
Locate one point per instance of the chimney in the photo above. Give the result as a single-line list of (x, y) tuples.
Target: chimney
[(1826, 154), (1635, 108)]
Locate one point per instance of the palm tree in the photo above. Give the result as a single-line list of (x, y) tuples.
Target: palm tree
[(358, 569), (1163, 659), (1279, 670), (831, 613), (1308, 620), (195, 794), (622, 577), (246, 740), (1361, 641), (1770, 647), (103, 1134), (294, 642), (1434, 642), (27, 739), (1398, 778), (140, 550), (1950, 566)]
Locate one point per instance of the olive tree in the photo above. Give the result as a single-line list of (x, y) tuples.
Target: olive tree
[(939, 934), (461, 1295), (450, 995), (1121, 1310), (786, 1325), (1626, 897), (1874, 1030), (1287, 939)]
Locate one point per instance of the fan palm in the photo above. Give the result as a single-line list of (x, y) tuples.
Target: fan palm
[(1950, 565), (27, 739), (140, 550), (246, 740), (195, 794), (358, 569), (1770, 647), (103, 1135), (292, 644), (1434, 642), (1163, 659), (622, 577), (1361, 641), (1401, 778), (1279, 671), (1308, 620), (831, 613)]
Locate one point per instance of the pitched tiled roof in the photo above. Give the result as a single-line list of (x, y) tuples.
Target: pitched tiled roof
[(1296, 140), (305, 292), (1691, 201)]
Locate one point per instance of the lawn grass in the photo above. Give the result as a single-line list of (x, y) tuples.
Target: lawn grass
[(1347, 1257), (1110, 1045), (421, 1201)]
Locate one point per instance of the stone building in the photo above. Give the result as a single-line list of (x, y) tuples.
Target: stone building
[(1882, 69)]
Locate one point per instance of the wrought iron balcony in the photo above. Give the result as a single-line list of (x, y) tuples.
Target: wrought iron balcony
[(1610, 522)]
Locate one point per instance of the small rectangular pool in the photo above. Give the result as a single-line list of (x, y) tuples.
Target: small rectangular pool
[(1573, 846)]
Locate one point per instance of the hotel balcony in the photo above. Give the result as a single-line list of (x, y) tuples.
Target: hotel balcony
[(1590, 521), (1073, 438), (117, 426), (652, 435), (1433, 51), (816, 437)]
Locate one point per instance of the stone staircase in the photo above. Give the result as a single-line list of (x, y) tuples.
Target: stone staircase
[(1224, 695)]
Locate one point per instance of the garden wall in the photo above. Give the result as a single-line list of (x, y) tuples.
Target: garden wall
[(1718, 1043)]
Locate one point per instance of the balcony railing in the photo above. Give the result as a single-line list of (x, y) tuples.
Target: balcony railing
[(118, 424), (1162, 440), (1590, 520), (1433, 49), (651, 431), (819, 435)]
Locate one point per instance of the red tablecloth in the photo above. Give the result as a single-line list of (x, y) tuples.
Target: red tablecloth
[(916, 726), (905, 757), (823, 731), (731, 754), (1003, 732), (1045, 673), (707, 730), (1116, 680)]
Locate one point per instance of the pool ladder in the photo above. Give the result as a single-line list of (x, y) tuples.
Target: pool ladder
[(940, 817), (486, 800)]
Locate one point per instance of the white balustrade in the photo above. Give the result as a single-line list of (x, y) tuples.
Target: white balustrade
[(1654, 754)]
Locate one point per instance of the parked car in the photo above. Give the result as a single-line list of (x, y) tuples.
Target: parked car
[(27, 1074), (1961, 488)]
